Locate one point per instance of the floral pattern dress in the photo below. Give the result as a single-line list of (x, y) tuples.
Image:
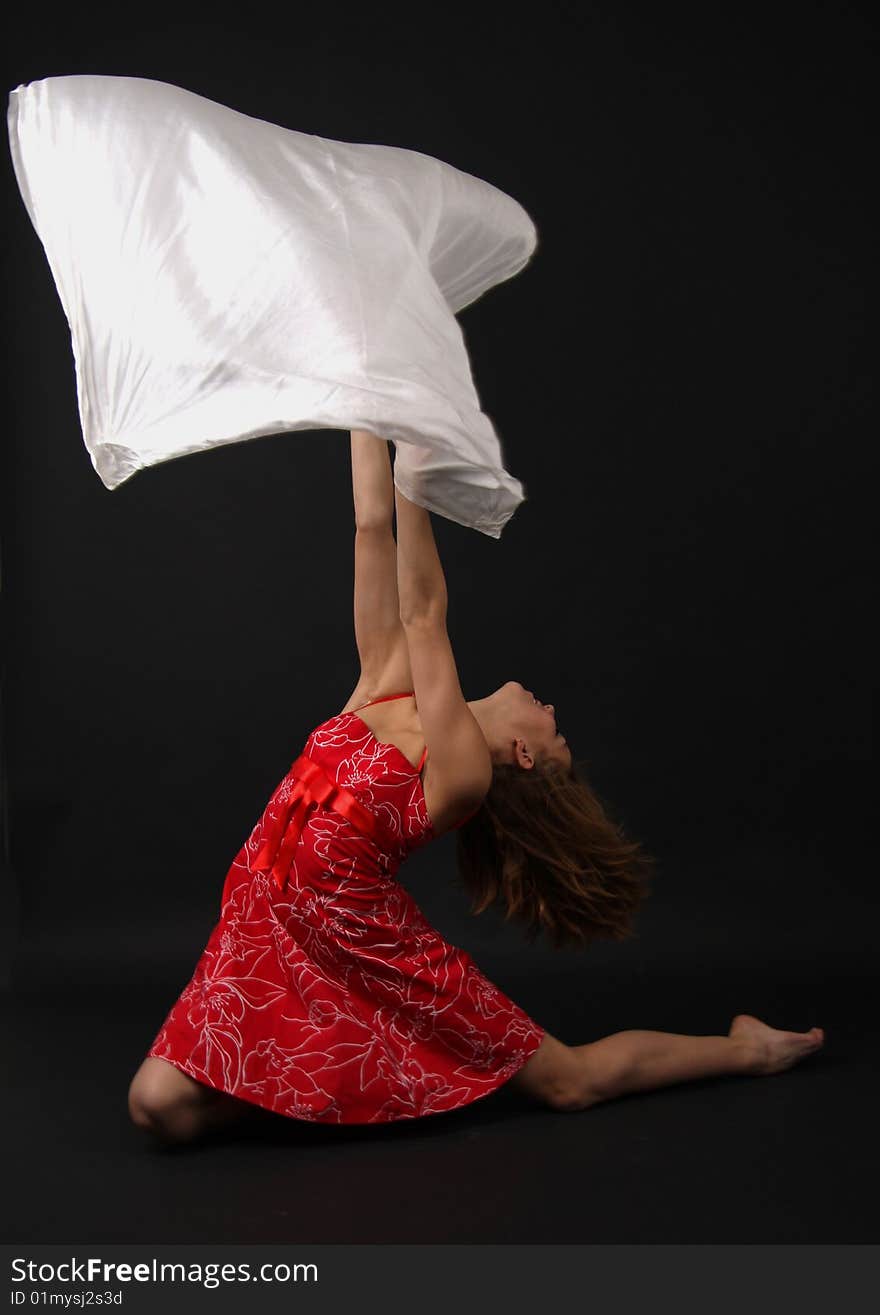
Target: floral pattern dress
[(323, 993)]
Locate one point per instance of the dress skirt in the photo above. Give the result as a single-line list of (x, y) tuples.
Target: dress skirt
[(323, 993)]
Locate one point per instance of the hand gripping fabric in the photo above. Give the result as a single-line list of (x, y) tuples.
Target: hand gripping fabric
[(224, 278)]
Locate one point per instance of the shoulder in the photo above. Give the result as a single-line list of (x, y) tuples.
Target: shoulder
[(455, 784), (458, 755), (448, 808)]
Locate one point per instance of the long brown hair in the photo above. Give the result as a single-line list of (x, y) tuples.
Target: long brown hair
[(543, 847)]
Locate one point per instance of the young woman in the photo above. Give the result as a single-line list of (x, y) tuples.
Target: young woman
[(323, 994)]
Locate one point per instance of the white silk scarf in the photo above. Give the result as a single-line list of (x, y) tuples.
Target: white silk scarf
[(225, 278)]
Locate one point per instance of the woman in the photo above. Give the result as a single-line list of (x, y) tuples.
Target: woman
[(323, 993)]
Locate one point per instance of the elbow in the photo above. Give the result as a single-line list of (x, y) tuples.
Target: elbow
[(429, 612), (375, 523)]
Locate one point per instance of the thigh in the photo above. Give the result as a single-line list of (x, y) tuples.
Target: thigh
[(550, 1074)]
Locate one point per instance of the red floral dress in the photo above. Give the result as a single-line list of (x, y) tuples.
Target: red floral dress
[(323, 993)]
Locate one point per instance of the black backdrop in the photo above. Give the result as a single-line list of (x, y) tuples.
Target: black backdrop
[(681, 379)]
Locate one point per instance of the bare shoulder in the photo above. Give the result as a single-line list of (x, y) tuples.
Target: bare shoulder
[(459, 763), (444, 806)]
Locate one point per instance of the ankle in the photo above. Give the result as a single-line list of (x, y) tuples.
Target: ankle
[(746, 1056)]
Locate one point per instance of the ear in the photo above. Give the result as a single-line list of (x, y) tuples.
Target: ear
[(522, 755)]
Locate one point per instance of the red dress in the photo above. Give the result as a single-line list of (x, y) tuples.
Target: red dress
[(323, 993)]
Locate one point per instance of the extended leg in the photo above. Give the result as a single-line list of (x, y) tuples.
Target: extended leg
[(639, 1060), (575, 1077)]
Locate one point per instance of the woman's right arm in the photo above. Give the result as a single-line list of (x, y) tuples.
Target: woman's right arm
[(421, 583), (461, 765)]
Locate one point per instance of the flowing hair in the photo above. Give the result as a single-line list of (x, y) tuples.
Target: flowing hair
[(543, 847)]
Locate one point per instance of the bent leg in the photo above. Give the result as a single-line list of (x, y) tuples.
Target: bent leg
[(175, 1107)]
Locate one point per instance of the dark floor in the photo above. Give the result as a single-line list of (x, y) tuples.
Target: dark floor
[(790, 1158)]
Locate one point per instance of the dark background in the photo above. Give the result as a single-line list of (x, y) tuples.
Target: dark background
[(681, 378)]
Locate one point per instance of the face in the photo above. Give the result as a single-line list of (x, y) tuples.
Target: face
[(534, 722)]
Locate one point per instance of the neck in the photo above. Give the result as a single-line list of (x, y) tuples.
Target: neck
[(485, 714)]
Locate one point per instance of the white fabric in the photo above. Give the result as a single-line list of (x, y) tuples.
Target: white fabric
[(225, 278)]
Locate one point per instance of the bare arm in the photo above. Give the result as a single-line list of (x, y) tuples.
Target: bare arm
[(461, 764), (379, 634), (421, 582), (372, 485)]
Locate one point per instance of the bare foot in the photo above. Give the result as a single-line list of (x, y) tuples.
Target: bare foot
[(773, 1050)]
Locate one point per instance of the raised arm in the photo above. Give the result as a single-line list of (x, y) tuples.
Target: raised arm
[(458, 756), (421, 582), (379, 634), (372, 484)]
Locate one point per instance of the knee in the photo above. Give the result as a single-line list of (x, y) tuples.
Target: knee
[(556, 1076), (156, 1113), (571, 1097), (579, 1084)]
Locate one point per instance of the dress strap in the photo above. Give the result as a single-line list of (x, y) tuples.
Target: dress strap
[(407, 693)]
